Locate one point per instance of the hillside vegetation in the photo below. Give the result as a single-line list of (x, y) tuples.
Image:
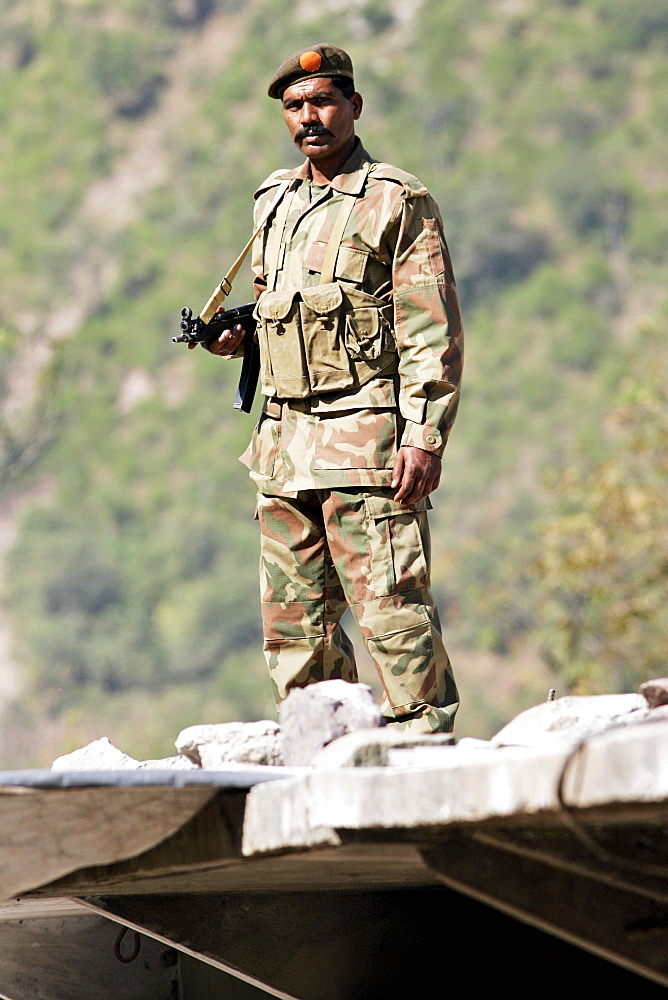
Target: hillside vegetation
[(132, 136)]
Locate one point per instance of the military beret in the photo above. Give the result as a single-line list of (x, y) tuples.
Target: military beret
[(318, 60)]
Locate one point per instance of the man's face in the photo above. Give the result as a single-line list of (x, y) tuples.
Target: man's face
[(320, 120)]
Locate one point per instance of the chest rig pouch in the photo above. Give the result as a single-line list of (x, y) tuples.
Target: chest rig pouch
[(324, 338)]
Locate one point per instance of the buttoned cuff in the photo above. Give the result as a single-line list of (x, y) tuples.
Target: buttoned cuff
[(423, 436)]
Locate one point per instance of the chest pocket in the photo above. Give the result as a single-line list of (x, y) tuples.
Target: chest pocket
[(351, 263)]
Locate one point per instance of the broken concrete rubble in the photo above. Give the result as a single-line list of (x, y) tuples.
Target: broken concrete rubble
[(215, 746), (176, 763), (374, 747), (568, 721), (315, 716), (334, 724), (378, 817), (100, 755), (443, 786)]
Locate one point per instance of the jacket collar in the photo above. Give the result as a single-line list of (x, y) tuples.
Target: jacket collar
[(349, 181)]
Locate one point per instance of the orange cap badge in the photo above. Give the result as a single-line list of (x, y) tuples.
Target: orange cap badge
[(322, 59), (310, 62)]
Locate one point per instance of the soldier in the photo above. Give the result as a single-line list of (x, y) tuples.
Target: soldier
[(360, 340)]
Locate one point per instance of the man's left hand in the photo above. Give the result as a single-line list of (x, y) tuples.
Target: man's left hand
[(417, 473)]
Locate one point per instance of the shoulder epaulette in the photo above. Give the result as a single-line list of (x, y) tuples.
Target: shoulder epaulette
[(273, 180), (388, 172)]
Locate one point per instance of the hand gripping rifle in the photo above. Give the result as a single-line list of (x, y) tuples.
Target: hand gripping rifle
[(196, 331), (208, 326)]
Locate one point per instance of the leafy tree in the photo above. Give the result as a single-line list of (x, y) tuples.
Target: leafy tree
[(604, 565)]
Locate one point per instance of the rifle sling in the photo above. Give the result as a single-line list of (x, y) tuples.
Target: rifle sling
[(225, 287)]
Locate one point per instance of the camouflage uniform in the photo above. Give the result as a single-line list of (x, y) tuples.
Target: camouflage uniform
[(332, 534)]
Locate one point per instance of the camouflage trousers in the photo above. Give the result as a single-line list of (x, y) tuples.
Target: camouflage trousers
[(325, 550)]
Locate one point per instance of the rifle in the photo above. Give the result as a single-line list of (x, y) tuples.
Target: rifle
[(209, 324), (197, 331)]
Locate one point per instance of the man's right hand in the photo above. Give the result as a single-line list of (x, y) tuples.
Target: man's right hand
[(416, 472), (227, 343)]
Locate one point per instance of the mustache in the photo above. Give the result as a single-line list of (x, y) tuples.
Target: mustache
[(315, 129)]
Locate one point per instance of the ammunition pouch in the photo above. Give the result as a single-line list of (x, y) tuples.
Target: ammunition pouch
[(323, 339)]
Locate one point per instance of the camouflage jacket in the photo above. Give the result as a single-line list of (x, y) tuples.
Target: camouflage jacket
[(392, 247)]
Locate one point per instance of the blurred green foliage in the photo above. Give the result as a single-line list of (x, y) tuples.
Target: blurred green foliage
[(541, 130), (602, 570)]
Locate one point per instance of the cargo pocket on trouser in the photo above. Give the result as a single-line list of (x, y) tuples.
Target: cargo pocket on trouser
[(399, 546)]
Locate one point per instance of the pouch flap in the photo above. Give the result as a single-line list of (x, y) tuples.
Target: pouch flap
[(275, 305), (355, 298), (377, 394), (381, 507), (323, 299)]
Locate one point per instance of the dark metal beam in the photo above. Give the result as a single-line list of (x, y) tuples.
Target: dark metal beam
[(619, 924), (382, 945), (75, 958)]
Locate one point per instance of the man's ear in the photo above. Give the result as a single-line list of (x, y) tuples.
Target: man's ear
[(357, 103)]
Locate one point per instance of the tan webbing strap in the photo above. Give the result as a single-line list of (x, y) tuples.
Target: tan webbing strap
[(225, 287), (274, 250), (338, 229)]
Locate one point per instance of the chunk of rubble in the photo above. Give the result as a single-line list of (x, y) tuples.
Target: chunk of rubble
[(177, 763), (376, 748), (315, 716), (570, 720), (655, 692), (215, 746), (100, 755)]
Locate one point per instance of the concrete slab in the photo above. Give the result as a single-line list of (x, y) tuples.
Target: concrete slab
[(446, 785)]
